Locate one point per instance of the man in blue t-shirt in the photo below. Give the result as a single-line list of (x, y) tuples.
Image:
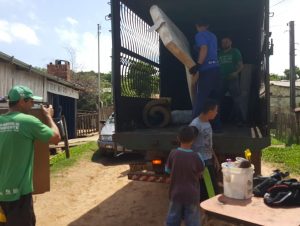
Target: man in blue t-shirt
[(209, 83)]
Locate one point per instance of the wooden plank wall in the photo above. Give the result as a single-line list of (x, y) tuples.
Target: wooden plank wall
[(287, 127), (10, 76), (6, 81)]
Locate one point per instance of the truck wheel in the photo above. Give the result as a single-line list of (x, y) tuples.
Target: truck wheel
[(106, 153)]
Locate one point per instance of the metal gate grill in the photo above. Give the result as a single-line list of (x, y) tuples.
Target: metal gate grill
[(139, 63)]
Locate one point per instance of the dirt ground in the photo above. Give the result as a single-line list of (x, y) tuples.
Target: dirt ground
[(98, 193)]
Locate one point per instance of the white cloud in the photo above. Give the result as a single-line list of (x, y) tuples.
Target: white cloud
[(85, 48), (72, 21), (10, 32), (69, 37), (4, 32), (32, 16), (88, 53), (25, 33)]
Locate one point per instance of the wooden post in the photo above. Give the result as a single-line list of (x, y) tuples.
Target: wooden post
[(292, 66), (66, 139), (297, 116)]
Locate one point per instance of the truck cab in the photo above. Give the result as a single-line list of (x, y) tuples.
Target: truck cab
[(144, 70)]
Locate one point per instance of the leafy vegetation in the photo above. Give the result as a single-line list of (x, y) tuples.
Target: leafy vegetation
[(59, 161), (142, 80), (287, 157), (275, 77), (88, 98), (275, 141), (287, 73), (286, 76)]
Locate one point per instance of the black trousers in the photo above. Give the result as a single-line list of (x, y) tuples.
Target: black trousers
[(19, 212)]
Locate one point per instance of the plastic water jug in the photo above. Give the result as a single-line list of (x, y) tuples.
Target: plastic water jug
[(237, 182)]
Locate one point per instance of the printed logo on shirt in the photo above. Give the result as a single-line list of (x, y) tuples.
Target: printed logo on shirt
[(226, 59), (10, 192), (9, 127)]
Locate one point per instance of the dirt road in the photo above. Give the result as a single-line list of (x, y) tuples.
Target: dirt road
[(99, 193)]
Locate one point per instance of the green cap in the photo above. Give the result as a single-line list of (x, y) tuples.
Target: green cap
[(18, 92)]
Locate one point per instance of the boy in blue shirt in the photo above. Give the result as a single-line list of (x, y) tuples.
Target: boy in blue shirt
[(185, 168), (203, 143)]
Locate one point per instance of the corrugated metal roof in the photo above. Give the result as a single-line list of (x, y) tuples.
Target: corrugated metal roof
[(11, 59)]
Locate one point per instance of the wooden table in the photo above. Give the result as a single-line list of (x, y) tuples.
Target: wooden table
[(221, 210)]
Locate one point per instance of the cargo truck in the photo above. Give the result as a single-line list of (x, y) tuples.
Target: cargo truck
[(145, 72)]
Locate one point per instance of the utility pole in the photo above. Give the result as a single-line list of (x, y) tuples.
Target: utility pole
[(292, 67), (99, 84)]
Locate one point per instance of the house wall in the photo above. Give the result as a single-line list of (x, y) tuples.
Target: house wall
[(282, 91), (280, 98), (10, 76)]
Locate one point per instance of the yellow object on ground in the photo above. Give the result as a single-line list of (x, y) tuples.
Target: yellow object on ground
[(2, 216)]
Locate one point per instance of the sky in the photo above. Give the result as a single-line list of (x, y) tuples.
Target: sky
[(39, 31), (284, 11)]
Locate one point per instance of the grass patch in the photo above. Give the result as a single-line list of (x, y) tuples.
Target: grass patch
[(289, 157), (59, 161), (274, 141)]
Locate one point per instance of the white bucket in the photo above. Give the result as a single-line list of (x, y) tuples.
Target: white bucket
[(237, 182)]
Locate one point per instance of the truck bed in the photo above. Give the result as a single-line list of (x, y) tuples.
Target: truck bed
[(233, 139)]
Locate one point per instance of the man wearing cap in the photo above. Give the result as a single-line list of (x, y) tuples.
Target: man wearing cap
[(206, 71), (18, 131)]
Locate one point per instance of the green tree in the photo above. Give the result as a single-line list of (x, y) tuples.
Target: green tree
[(43, 70), (287, 73), (106, 84), (275, 77), (88, 98), (142, 80)]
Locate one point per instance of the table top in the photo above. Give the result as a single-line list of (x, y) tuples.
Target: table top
[(252, 210)]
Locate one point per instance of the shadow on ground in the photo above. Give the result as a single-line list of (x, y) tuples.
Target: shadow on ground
[(111, 160), (136, 204)]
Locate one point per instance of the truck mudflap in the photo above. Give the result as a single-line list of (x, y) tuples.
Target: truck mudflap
[(141, 172)]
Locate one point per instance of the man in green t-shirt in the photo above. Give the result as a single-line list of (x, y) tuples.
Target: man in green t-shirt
[(231, 64), (18, 131)]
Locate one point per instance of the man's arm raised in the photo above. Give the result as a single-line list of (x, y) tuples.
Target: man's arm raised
[(49, 122)]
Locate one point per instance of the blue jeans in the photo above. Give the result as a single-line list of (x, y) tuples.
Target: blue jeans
[(189, 213), (209, 86)]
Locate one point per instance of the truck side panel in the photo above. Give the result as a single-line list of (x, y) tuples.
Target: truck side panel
[(144, 70)]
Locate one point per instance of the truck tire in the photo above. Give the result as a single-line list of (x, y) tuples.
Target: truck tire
[(104, 153)]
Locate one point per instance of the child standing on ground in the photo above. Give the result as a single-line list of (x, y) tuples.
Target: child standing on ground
[(203, 142), (185, 167)]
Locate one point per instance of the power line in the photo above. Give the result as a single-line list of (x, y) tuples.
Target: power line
[(277, 25), (278, 3)]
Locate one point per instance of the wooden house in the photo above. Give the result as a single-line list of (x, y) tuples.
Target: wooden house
[(55, 89)]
